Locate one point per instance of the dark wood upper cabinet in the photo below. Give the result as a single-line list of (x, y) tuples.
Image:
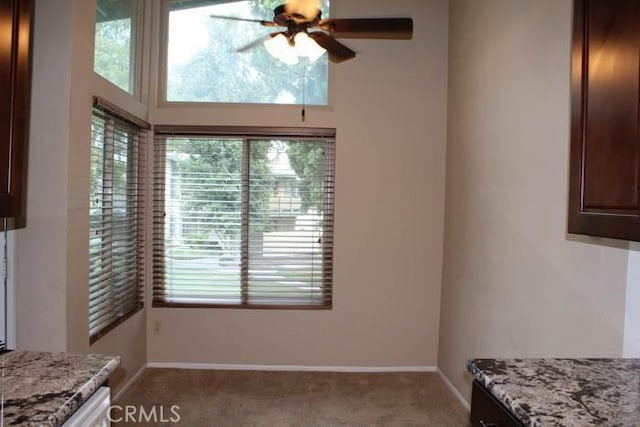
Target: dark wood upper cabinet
[(604, 198), (16, 17)]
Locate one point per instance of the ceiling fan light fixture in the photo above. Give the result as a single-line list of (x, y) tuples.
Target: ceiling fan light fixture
[(307, 47), (278, 46), (298, 17)]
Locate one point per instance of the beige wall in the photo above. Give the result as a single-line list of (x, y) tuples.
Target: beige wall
[(514, 284), (51, 253), (40, 258), (389, 108)]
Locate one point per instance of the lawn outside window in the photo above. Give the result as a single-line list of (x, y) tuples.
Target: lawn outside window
[(243, 218)]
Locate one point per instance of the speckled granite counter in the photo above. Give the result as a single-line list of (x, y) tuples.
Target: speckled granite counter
[(564, 392), (44, 389)]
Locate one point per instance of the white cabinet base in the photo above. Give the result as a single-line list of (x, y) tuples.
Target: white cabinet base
[(94, 412)]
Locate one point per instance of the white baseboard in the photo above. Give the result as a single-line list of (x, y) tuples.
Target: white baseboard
[(293, 368), (454, 390), (132, 380)]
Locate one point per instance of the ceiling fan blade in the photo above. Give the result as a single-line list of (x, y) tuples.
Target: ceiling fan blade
[(257, 21), (337, 51), (307, 8), (256, 43), (369, 28)]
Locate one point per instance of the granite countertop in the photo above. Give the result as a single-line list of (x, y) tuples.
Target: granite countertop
[(564, 392), (44, 389)]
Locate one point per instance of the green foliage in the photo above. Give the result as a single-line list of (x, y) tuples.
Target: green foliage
[(307, 160), (260, 176), (210, 187), (112, 58), (208, 172), (218, 73)]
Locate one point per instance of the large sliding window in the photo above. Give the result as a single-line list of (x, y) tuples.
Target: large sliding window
[(243, 218), (117, 218)]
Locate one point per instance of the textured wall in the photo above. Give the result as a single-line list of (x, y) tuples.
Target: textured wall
[(389, 108), (51, 254), (514, 284)]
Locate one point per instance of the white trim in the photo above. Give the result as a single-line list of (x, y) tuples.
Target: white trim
[(454, 390), (631, 340), (10, 303), (129, 383), (293, 368)]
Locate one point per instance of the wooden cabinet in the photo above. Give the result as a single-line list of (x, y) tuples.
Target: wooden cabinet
[(15, 83), (604, 197), (487, 411)]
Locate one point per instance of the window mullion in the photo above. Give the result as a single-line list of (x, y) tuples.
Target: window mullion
[(244, 237)]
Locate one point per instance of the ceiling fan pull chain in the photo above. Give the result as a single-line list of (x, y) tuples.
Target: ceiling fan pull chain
[(304, 90)]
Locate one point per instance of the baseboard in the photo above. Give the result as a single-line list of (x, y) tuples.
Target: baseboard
[(129, 383), (293, 368), (454, 390)]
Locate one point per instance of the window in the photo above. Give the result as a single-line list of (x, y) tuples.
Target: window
[(116, 226), (203, 65), (243, 218), (116, 42)]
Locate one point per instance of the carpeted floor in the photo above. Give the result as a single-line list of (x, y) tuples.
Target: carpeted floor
[(252, 398)]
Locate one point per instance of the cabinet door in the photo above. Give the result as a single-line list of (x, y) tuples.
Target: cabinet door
[(15, 84), (487, 411), (605, 150)]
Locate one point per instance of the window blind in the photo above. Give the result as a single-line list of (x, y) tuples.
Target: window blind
[(243, 219), (117, 218)]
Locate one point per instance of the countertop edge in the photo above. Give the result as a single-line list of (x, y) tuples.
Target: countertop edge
[(502, 396), (84, 392)]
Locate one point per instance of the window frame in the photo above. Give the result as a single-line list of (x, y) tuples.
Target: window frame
[(115, 121), (245, 133), (162, 65)]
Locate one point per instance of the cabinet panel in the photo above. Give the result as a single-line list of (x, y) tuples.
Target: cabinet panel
[(611, 128), (15, 87), (487, 411), (604, 198), (6, 83)]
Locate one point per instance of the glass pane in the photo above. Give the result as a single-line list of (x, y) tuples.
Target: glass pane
[(116, 42), (203, 64), (203, 223), (97, 246), (114, 230), (123, 221), (286, 199)]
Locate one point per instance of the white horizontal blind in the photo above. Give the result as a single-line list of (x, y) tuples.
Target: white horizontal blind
[(116, 240), (243, 221)]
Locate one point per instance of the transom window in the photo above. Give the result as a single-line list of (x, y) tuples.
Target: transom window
[(116, 42), (243, 221), (203, 64)]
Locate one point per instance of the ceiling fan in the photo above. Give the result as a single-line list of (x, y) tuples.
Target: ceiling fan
[(303, 25)]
